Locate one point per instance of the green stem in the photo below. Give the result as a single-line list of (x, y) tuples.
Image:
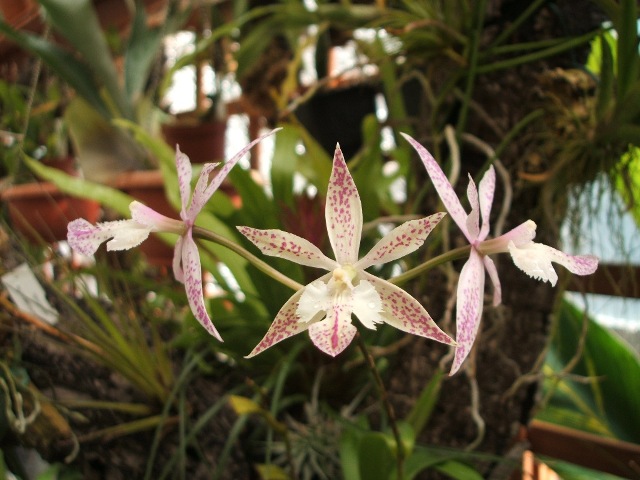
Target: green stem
[(455, 254), (384, 397), (259, 264)]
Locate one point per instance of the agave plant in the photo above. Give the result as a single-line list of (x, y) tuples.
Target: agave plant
[(89, 67)]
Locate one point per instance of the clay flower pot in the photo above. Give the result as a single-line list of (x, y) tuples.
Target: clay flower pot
[(202, 142), (41, 212)]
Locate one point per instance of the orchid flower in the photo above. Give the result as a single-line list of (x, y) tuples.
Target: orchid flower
[(125, 234), (532, 258), (325, 306)]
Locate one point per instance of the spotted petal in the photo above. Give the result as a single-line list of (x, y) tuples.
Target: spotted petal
[(473, 219), (535, 260), (443, 187), (468, 307), (405, 313), (285, 325), (184, 171), (277, 243), (206, 189), (343, 212), (400, 241), (193, 283), (486, 191), (124, 234), (333, 334)]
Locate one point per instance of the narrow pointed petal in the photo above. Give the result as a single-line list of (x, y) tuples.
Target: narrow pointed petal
[(405, 313), (535, 260), (193, 284), (183, 169), (468, 307), (343, 212), (277, 243), (178, 272), (85, 238), (285, 325), (367, 304), (473, 219), (400, 241), (315, 299), (492, 271), (333, 334), (202, 196), (443, 187), (486, 191)]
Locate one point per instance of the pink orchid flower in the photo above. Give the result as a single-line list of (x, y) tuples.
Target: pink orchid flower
[(325, 306), (125, 234), (532, 258)]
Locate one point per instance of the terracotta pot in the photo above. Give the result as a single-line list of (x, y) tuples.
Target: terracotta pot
[(41, 212), (202, 142), (147, 186)]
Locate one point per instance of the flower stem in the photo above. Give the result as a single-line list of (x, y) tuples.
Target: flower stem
[(259, 264), (455, 254), (384, 397)]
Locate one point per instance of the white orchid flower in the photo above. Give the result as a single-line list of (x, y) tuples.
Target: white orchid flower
[(125, 234), (325, 306), (532, 258)]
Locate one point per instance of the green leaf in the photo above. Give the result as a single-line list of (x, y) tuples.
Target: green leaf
[(66, 65), (77, 21), (79, 187), (376, 458), (283, 166), (143, 47), (421, 411), (607, 75), (611, 397), (628, 60), (425, 458)]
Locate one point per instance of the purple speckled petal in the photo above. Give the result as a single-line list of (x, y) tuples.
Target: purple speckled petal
[(486, 191), (333, 334), (473, 219), (535, 260), (405, 313), (400, 241), (492, 271), (285, 325), (443, 187), (202, 196), (183, 169), (343, 212), (277, 243), (468, 307), (85, 238), (193, 283)]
